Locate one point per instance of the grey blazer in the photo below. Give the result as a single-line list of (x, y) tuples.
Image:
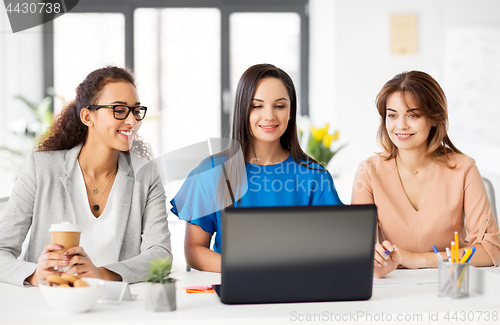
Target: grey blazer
[(41, 197)]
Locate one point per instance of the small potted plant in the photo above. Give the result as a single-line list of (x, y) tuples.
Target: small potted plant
[(160, 287)]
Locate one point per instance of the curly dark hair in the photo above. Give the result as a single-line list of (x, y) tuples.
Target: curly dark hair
[(68, 130)]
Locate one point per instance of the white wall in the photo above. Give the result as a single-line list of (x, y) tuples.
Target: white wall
[(351, 60), (472, 81), (21, 73)]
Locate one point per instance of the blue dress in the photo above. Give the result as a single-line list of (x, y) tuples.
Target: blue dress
[(285, 184)]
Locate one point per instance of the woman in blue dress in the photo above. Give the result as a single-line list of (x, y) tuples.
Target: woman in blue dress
[(267, 167)]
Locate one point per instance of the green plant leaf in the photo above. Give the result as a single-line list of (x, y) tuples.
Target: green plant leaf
[(159, 271), (313, 148), (16, 152), (27, 102), (342, 146)]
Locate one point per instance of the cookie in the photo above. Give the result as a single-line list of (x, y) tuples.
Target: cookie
[(56, 279), (70, 278), (80, 283)]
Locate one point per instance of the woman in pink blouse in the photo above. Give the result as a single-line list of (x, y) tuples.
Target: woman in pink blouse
[(425, 189)]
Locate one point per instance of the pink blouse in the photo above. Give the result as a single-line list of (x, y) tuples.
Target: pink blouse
[(457, 201)]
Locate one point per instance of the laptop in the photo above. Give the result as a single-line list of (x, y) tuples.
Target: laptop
[(297, 254)]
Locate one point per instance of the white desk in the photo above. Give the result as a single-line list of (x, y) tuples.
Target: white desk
[(410, 294)]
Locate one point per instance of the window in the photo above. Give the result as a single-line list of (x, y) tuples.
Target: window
[(264, 38), (177, 65), (187, 56), (77, 50)]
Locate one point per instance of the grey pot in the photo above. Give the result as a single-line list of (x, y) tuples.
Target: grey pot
[(160, 297)]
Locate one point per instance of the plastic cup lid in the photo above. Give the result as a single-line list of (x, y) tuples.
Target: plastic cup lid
[(65, 226)]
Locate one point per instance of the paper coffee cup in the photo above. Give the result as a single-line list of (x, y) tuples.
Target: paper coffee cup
[(65, 234)]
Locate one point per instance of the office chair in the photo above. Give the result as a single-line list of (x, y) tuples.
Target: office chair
[(491, 195)]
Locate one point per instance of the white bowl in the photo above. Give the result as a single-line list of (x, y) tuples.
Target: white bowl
[(73, 300)]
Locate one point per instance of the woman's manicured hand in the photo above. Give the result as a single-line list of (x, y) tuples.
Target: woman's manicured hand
[(80, 264), (48, 263), (386, 259)]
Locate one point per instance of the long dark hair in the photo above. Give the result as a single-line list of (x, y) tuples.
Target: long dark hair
[(431, 101), (242, 108), (240, 131), (68, 130)]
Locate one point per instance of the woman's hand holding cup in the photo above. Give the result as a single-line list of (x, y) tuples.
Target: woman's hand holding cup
[(80, 263), (53, 259), (66, 235), (48, 263)]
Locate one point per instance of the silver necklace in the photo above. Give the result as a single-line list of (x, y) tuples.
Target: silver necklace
[(415, 171)]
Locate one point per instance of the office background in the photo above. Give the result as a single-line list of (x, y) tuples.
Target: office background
[(188, 60)]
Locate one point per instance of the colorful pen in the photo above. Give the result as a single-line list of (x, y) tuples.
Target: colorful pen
[(465, 259), (468, 253), (448, 254), (439, 257), (452, 252), (473, 249)]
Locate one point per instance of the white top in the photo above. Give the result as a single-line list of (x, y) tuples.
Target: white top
[(98, 234)]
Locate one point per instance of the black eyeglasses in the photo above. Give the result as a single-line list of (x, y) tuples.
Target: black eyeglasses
[(121, 112)]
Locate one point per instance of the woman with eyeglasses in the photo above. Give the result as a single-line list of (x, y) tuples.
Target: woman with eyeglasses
[(263, 166), (88, 171)]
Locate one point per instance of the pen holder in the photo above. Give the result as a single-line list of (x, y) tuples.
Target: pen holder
[(453, 280)]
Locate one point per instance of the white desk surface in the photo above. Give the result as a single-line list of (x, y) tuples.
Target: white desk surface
[(404, 294)]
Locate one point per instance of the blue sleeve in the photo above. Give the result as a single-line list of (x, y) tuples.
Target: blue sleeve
[(326, 194), (196, 201)]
